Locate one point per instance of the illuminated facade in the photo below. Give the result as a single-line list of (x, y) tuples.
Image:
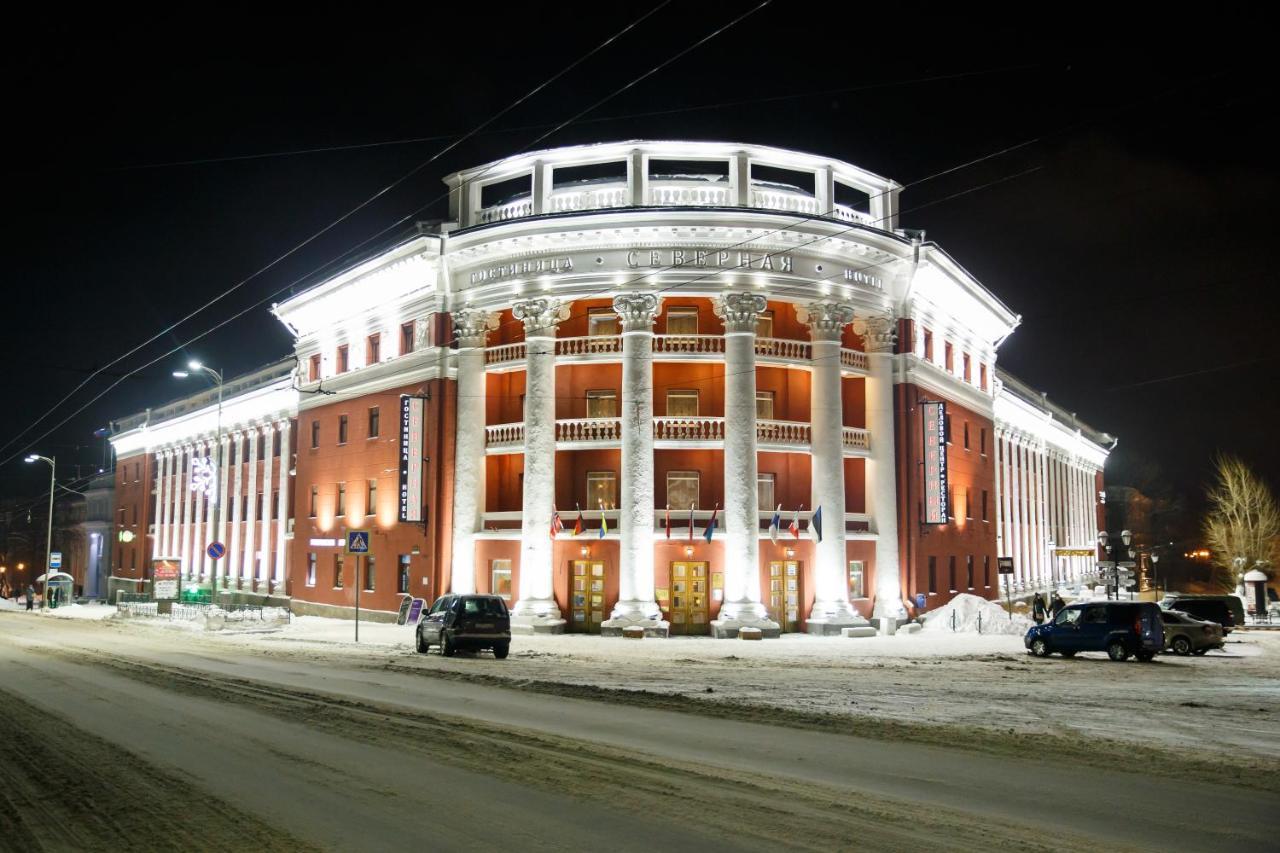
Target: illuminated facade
[(646, 338)]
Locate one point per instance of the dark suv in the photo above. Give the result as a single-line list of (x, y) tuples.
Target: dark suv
[(1226, 610), (466, 622), (1119, 628)]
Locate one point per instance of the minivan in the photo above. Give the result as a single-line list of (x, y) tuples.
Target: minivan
[(1119, 628)]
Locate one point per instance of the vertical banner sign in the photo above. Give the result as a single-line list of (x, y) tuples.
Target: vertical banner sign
[(935, 462), (412, 414)]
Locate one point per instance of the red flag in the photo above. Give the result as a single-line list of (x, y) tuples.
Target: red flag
[(794, 527), (667, 523), (578, 526), (556, 524)]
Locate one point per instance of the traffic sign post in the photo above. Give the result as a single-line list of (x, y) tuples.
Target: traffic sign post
[(1004, 566), (216, 550), (55, 559), (357, 545)]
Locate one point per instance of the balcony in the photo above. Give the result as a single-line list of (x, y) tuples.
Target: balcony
[(506, 524)]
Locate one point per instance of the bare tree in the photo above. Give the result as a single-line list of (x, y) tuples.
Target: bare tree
[(1242, 527)]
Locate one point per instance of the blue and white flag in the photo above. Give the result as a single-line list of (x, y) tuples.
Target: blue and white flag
[(815, 525), (773, 525)]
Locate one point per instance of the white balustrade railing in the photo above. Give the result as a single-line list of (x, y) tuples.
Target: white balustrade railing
[(593, 198), (848, 214), (783, 348), (504, 353), (783, 200), (688, 429), (854, 359), (499, 435), (688, 193), (589, 430), (782, 432), (502, 212), (590, 345), (856, 439), (688, 344)]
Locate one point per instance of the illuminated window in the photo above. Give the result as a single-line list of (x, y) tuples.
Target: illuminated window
[(337, 571), (948, 360), (500, 578), (311, 569), (764, 325), (682, 404), (370, 566), (402, 574), (371, 507), (373, 349), (342, 499), (602, 322), (683, 488), (982, 373), (315, 368), (602, 404), (682, 321), (764, 490), (764, 405), (602, 489), (343, 359), (857, 588)]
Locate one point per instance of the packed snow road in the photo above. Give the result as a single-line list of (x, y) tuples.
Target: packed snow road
[(206, 743)]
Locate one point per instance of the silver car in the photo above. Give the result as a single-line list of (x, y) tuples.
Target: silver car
[(1186, 635)]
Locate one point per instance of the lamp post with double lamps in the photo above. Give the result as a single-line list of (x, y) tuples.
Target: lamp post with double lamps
[(1117, 558), (48, 536), (215, 499)]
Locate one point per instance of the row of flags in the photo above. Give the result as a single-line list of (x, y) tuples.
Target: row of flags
[(815, 523)]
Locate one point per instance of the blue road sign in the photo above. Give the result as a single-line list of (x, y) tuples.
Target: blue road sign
[(216, 550), (55, 559), (357, 542)]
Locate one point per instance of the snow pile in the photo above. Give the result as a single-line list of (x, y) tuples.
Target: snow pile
[(10, 604), (969, 614), (82, 611)]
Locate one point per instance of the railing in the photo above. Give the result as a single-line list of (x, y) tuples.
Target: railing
[(783, 348), (782, 432), (848, 214), (504, 353), (500, 435), (853, 359), (686, 344), (563, 201), (856, 439), (689, 193), (589, 430), (783, 200), (688, 429), (502, 212), (585, 347), (589, 345)]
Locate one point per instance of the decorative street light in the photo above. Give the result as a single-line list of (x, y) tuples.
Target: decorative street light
[(1116, 555), (206, 478), (48, 536), (1155, 570)]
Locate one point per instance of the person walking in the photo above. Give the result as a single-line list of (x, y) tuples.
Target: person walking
[(1055, 605), (1038, 608), (31, 596)]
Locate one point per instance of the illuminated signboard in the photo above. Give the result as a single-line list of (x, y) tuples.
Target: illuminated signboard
[(412, 411), (935, 462)]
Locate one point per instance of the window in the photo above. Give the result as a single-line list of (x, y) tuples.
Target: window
[(373, 349), (951, 503), (370, 566), (968, 373), (602, 489), (500, 578), (343, 359), (275, 442), (984, 506), (342, 499), (764, 325), (986, 571), (315, 493), (402, 574), (311, 569), (933, 575), (764, 491), (948, 360), (315, 434), (342, 429), (683, 488), (374, 421), (764, 405), (371, 507), (406, 338), (1094, 616), (682, 404), (968, 504), (682, 321), (982, 373), (857, 588), (337, 571), (968, 571), (982, 441), (602, 404), (951, 573), (275, 504), (602, 322), (966, 435), (315, 368)]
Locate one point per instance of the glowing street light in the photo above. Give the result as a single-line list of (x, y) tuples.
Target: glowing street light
[(207, 480), (48, 536)]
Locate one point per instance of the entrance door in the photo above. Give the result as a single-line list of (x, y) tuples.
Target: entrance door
[(784, 593), (587, 596), (689, 599)]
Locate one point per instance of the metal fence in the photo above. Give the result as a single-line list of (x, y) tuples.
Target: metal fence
[(136, 604)]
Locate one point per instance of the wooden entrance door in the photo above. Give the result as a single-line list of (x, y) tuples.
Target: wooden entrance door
[(784, 593), (689, 607), (587, 596)]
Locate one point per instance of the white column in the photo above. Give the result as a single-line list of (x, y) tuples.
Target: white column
[(224, 506), (636, 604), (536, 609), (234, 556), (1042, 508), (199, 559), (742, 606), (251, 514), (157, 547), (264, 550), (878, 335), (472, 329), (831, 609), (282, 505), (1019, 561), (184, 510), (997, 497)]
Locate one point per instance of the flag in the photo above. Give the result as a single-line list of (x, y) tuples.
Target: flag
[(815, 525), (556, 524), (773, 525), (604, 522), (690, 522), (578, 526), (711, 525), (667, 522), (794, 527)]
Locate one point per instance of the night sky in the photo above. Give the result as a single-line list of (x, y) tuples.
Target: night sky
[(1132, 225)]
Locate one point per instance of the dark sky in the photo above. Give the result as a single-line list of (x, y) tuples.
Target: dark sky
[(1135, 233)]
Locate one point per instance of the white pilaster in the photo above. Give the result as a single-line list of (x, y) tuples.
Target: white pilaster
[(264, 550), (224, 505), (536, 609), (157, 541), (184, 510), (251, 511), (199, 559), (1015, 471), (234, 556), (636, 604), (878, 336), (471, 328), (282, 505), (742, 606)]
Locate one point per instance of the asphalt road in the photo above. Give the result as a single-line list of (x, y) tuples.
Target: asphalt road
[(231, 749)]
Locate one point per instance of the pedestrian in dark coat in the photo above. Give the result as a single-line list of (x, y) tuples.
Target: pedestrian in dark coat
[(1038, 608), (31, 596), (1055, 605)]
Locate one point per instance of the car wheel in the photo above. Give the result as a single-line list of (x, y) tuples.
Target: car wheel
[(501, 650), (1181, 646), (423, 645), (1040, 648), (1117, 651), (446, 646)]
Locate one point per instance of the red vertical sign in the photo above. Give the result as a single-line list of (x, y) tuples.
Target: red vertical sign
[(935, 462)]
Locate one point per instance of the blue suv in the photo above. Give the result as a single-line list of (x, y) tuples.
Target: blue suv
[(1119, 628)]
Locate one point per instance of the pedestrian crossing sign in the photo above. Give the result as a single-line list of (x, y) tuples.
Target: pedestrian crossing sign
[(357, 542)]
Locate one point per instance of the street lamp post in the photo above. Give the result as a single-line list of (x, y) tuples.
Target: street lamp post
[(1155, 570), (1115, 554), (48, 536), (214, 498)]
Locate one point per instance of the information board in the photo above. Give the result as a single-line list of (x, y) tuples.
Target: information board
[(935, 462), (412, 413), (164, 579)]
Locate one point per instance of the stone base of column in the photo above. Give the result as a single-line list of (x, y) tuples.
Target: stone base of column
[(727, 629), (635, 614), (891, 608), (536, 616), (834, 627)]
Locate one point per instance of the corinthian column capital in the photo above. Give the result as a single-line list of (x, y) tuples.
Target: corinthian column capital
[(637, 311), (471, 325), (540, 315), (826, 320), (739, 311), (879, 333)]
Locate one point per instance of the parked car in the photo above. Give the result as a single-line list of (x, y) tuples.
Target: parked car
[(1185, 635), (466, 622), (1226, 610), (1119, 628)]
